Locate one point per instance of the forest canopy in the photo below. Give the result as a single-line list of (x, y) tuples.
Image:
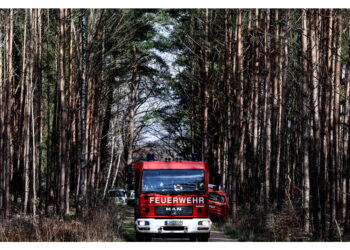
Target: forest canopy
[(263, 95)]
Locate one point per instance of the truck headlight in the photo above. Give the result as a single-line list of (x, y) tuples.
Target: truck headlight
[(143, 223), (205, 223)]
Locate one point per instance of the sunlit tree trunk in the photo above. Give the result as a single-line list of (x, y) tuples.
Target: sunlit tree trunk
[(62, 110), (26, 116), (316, 119), (305, 129), (81, 184), (267, 109)]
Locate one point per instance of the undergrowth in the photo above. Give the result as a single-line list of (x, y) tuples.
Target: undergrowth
[(264, 225), (100, 224), (127, 227)]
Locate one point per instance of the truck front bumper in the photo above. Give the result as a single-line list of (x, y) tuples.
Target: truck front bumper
[(173, 226)]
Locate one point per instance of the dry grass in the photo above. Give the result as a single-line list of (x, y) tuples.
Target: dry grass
[(265, 226), (101, 224)]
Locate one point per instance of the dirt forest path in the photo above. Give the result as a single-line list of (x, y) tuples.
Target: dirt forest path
[(216, 235)]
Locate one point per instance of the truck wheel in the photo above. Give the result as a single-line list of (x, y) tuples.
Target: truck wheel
[(139, 237), (204, 238)]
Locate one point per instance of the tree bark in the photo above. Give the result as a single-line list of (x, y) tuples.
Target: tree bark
[(316, 121), (205, 92), (237, 111), (305, 128), (62, 111), (267, 110)]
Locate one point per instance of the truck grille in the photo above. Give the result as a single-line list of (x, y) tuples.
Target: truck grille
[(173, 211)]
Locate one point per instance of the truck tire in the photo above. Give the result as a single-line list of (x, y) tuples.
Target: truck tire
[(147, 238), (140, 237), (204, 238), (193, 238), (143, 237)]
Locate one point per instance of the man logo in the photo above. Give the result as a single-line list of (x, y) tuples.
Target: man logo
[(173, 209)]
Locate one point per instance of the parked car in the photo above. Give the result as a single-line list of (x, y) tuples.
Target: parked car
[(118, 196), (218, 203), (131, 200)]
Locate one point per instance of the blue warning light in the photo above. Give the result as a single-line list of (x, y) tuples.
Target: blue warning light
[(195, 157), (150, 157)]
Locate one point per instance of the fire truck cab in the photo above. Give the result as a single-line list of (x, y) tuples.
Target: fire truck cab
[(172, 200)]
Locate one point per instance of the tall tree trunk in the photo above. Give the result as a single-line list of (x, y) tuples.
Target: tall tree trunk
[(346, 157), (255, 162), (305, 129), (275, 126), (227, 144), (81, 187), (9, 135), (110, 165), (32, 122), (335, 123), (62, 110), (38, 110), (237, 109), (26, 127), (267, 110), (2, 122), (71, 147), (316, 121), (282, 138), (132, 106), (326, 72), (205, 92)]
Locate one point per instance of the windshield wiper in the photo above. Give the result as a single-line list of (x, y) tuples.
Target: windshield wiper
[(151, 192), (186, 192), (173, 192), (198, 191)]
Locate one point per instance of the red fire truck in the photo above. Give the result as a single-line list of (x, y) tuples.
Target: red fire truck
[(218, 203), (172, 200)]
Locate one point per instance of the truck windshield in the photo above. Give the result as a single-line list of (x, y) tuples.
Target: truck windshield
[(216, 197), (116, 193), (166, 181)]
